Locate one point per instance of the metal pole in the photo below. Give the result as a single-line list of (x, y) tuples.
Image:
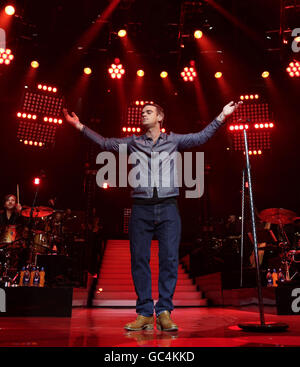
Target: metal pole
[(259, 289), (242, 230)]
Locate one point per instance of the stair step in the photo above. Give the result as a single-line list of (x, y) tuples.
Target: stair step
[(132, 303), (130, 287), (116, 281), (127, 269), (107, 275), (111, 281), (132, 295)]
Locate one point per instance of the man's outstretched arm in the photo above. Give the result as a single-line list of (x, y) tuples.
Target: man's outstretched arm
[(108, 144), (187, 141)]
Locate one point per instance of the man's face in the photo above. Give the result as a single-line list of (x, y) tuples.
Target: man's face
[(10, 203), (150, 117)]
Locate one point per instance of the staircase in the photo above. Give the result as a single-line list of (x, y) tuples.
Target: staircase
[(115, 286)]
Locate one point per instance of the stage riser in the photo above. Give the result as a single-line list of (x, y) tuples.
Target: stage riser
[(31, 301)]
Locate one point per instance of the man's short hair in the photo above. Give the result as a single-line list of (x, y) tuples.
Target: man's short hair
[(159, 110)]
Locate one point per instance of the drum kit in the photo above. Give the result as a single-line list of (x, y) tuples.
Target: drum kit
[(283, 247), (45, 232), (289, 250)]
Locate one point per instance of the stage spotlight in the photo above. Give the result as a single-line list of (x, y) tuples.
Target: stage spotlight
[(198, 34), (163, 74), (87, 71), (188, 74), (34, 64), (36, 180), (218, 75), (5, 56), (140, 73), (116, 71), (9, 10), (122, 33), (293, 69), (265, 74)]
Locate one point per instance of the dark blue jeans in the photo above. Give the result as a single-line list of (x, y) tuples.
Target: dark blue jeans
[(162, 220)]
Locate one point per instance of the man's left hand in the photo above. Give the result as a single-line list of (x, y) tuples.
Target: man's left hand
[(228, 110)]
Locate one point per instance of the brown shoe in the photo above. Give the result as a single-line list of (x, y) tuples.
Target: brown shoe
[(141, 323), (165, 323)]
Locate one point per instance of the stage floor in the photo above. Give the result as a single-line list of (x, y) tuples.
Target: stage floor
[(103, 327)]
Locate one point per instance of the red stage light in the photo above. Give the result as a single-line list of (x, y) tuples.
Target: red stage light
[(131, 129), (116, 71), (198, 34), (188, 74), (265, 74), (34, 64), (47, 88), (5, 56), (105, 185), (37, 180), (163, 130), (293, 69), (218, 75), (87, 71), (163, 74), (122, 33), (251, 96), (140, 73), (9, 10)]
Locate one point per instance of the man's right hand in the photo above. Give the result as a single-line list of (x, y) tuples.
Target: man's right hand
[(72, 119)]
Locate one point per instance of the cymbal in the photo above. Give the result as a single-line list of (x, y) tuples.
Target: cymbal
[(38, 211), (277, 216)]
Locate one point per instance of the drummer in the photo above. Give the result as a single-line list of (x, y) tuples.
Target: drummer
[(11, 218), (11, 214)]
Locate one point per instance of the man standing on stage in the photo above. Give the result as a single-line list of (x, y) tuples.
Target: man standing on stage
[(154, 211)]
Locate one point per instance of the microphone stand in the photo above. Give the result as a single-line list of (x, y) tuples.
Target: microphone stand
[(262, 326), (242, 225)]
